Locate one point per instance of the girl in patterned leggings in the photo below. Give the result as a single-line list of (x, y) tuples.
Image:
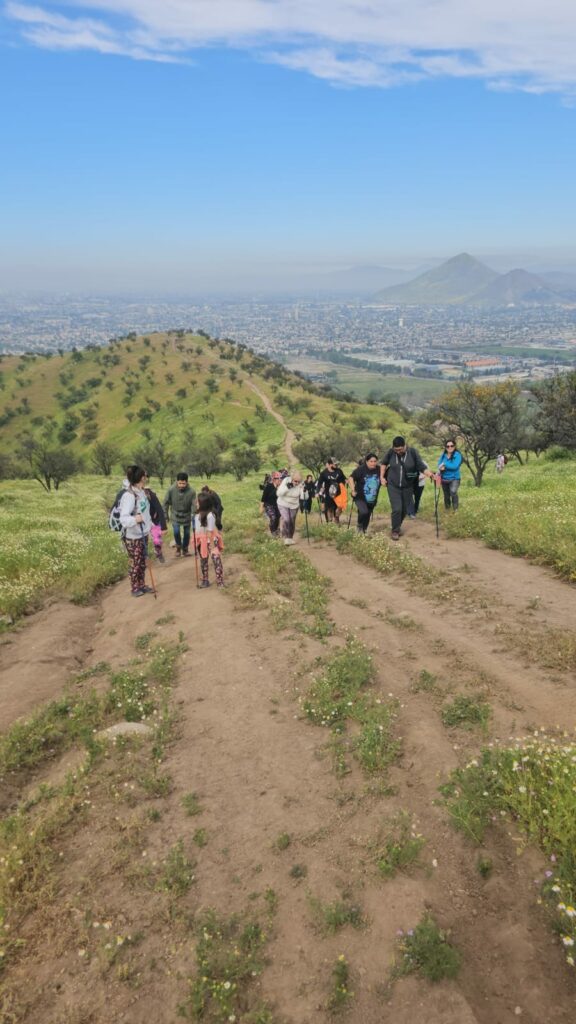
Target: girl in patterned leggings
[(208, 540)]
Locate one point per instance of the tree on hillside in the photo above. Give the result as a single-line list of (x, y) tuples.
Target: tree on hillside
[(485, 418), (206, 460), (557, 406), (104, 457), (244, 461), (157, 458), (344, 445), (49, 466)]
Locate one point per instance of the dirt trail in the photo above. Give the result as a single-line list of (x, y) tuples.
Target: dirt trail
[(260, 770), (289, 435)]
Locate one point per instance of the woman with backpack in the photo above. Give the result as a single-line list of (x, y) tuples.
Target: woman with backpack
[(136, 522)]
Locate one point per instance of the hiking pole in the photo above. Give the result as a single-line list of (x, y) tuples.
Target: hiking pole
[(152, 580), (195, 555), (306, 521), (436, 500)]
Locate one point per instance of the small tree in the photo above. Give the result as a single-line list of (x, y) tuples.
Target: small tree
[(206, 461), (244, 461), (104, 457), (49, 466), (557, 405), (485, 418), (157, 458)]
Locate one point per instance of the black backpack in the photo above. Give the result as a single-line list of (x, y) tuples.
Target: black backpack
[(114, 523)]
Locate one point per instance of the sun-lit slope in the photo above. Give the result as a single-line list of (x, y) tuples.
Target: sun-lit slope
[(181, 387)]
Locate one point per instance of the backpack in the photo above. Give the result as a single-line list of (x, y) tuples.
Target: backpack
[(114, 523)]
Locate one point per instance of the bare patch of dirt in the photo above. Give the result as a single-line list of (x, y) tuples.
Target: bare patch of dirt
[(38, 657)]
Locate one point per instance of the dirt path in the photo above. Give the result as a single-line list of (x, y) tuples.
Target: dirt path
[(289, 435), (261, 771)]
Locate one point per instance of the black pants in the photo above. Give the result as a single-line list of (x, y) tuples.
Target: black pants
[(365, 510), (400, 501), (418, 492)]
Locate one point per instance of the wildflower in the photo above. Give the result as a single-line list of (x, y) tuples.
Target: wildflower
[(567, 940)]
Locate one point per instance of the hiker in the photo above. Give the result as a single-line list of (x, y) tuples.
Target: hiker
[(181, 498), (136, 523), (449, 468), (208, 540), (307, 494), (328, 487), (501, 461), (419, 484), (288, 498), (269, 503), (364, 484), (217, 506), (158, 519), (400, 467)]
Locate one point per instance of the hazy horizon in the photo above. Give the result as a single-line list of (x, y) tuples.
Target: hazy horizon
[(242, 145)]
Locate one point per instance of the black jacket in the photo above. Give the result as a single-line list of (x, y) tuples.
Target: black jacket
[(403, 470)]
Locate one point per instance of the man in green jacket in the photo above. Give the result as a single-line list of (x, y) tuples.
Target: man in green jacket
[(181, 499)]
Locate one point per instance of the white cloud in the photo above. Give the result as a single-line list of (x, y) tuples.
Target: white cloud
[(523, 44)]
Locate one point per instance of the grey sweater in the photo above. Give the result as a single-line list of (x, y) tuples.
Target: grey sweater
[(182, 503)]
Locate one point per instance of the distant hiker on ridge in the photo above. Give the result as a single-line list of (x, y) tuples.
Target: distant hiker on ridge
[(181, 498), (401, 466)]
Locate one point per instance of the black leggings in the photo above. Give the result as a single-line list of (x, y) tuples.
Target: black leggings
[(365, 510)]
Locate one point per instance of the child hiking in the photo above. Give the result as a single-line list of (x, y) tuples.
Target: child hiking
[(158, 526), (208, 540), (136, 523)]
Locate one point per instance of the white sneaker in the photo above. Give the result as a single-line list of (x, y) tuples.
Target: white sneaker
[(288, 540)]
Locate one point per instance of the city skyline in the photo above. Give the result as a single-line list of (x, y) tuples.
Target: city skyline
[(240, 146)]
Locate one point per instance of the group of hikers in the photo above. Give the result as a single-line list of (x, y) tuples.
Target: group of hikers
[(140, 515), (402, 471)]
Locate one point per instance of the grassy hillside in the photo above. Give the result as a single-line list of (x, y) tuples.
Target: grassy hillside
[(181, 387)]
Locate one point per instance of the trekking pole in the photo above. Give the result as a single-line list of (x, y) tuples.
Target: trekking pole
[(436, 500), (195, 555), (152, 580), (351, 511), (306, 521)]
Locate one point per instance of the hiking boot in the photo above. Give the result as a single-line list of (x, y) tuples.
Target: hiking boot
[(186, 553), (161, 559), (147, 590), (137, 593), (204, 584), (395, 535), (178, 552)]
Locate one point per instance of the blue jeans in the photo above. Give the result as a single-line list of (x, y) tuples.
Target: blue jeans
[(184, 541)]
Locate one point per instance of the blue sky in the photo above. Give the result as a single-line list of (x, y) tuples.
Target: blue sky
[(185, 144)]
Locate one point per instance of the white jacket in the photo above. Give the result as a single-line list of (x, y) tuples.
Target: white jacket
[(288, 496), (132, 501)]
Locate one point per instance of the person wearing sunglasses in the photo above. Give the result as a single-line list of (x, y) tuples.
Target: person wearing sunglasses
[(449, 468)]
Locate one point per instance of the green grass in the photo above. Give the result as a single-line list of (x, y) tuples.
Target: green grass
[(340, 994), (229, 959), (529, 510), (397, 847), (425, 950), (339, 697), (329, 918), (534, 785), (466, 712)]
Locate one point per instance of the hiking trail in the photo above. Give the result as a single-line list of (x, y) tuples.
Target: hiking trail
[(261, 771)]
